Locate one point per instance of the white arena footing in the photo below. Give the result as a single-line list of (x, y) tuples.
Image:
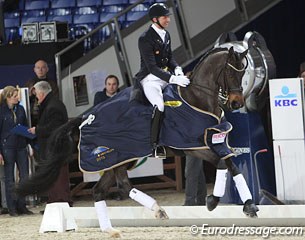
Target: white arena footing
[(268, 215)]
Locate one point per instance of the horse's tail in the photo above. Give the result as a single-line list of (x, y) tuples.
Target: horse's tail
[(59, 152)]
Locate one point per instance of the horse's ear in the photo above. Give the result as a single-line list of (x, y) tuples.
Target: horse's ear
[(231, 51), (243, 54)]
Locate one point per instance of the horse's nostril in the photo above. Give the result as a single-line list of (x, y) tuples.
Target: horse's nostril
[(236, 105)]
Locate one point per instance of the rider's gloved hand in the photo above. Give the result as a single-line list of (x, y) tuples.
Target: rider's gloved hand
[(182, 81), (178, 71)]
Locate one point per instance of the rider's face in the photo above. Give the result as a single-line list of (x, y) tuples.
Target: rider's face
[(164, 21)]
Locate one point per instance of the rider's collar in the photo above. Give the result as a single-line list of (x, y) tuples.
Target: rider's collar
[(161, 32)]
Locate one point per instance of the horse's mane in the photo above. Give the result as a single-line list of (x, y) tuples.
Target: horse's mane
[(208, 53)]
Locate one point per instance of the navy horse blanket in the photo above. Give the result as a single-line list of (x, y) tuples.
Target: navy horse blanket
[(118, 130)]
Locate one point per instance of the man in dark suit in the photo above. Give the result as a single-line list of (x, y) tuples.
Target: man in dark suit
[(52, 114), (110, 90), (158, 67)]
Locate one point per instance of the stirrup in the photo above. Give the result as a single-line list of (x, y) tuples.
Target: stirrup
[(159, 152)]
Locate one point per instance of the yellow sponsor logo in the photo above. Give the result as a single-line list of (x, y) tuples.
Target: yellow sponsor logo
[(173, 103)]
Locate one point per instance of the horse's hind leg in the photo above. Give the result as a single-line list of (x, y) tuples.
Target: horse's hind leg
[(122, 180), (99, 194)]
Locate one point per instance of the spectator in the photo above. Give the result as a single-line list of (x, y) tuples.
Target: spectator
[(158, 67), (4, 209), (41, 70), (195, 184), (110, 90), (52, 114), (13, 148), (302, 70)]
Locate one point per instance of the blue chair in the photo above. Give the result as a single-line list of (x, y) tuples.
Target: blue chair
[(146, 1), (36, 4), (85, 18), (86, 10), (134, 16), (112, 9), (62, 3), (33, 19), (12, 34), (104, 17), (114, 2), (87, 3), (60, 11), (12, 19), (34, 13), (11, 22), (63, 18)]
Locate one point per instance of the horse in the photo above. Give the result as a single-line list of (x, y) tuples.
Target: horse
[(218, 74)]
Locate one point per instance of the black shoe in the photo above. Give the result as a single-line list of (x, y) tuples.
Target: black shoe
[(4, 211), (24, 211), (212, 202), (41, 212), (13, 213)]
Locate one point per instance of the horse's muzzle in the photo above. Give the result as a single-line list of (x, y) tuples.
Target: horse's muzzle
[(236, 105)]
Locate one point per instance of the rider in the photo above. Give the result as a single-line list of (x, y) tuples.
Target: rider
[(158, 67)]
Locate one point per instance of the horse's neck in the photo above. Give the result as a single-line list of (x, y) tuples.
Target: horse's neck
[(202, 95)]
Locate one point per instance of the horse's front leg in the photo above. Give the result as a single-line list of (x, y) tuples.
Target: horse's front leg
[(99, 194), (245, 195), (212, 201)]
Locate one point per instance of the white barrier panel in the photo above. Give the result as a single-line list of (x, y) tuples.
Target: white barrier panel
[(268, 215)]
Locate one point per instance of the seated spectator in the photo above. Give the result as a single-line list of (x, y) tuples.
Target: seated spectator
[(110, 90), (13, 148)]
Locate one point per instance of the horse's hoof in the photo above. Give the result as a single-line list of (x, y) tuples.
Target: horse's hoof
[(250, 210), (161, 214), (211, 202), (114, 233)]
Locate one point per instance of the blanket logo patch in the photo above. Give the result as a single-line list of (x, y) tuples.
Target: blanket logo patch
[(100, 152), (218, 138)]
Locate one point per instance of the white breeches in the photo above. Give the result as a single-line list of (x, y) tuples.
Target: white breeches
[(153, 87)]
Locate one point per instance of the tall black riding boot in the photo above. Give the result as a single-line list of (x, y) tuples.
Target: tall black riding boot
[(156, 123)]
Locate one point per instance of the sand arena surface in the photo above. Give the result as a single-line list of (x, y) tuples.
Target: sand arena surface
[(27, 227)]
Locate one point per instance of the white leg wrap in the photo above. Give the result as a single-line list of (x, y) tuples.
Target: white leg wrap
[(220, 182), (102, 214), (142, 198), (242, 188)]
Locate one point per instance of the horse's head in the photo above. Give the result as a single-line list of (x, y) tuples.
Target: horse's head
[(231, 84)]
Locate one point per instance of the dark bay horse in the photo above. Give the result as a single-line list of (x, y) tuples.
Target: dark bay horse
[(220, 72)]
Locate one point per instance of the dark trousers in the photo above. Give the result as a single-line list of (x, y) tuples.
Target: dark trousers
[(20, 157), (60, 191), (195, 184)]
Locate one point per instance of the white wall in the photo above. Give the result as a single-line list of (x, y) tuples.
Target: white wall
[(104, 65)]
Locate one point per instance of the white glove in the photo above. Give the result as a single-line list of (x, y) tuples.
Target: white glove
[(182, 81), (178, 71)]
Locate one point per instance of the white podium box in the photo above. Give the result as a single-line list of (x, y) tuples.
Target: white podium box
[(289, 161), (287, 118)]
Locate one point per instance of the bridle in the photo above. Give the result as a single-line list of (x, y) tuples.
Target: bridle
[(223, 95), (225, 91)]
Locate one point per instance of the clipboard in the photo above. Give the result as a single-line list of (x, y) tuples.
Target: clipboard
[(22, 130)]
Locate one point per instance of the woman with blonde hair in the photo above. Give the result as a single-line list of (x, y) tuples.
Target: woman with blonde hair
[(13, 148)]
